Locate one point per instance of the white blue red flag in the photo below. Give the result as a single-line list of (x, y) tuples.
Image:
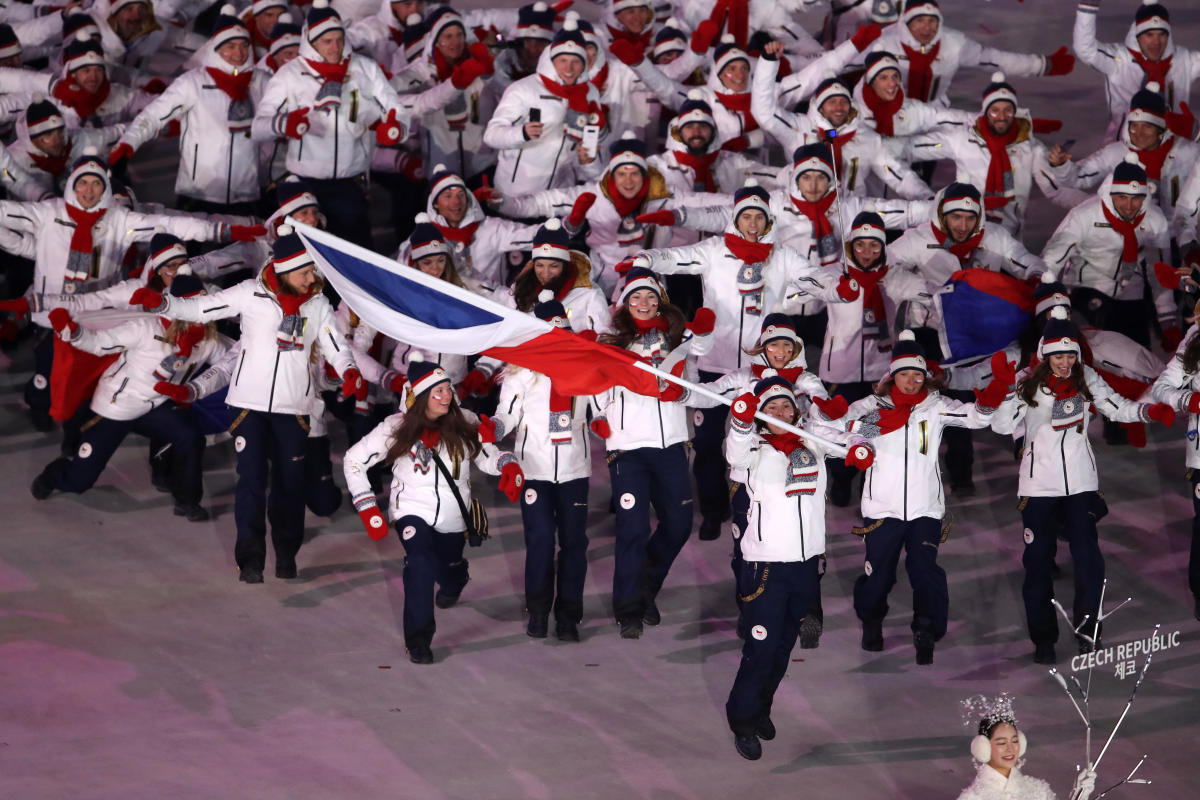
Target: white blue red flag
[(972, 295), (434, 315)]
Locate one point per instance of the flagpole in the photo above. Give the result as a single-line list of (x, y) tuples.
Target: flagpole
[(838, 449)]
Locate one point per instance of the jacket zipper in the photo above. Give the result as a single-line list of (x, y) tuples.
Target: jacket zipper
[(241, 363), (274, 377), (1062, 450), (554, 169), (906, 470), (229, 171), (800, 516), (195, 158)]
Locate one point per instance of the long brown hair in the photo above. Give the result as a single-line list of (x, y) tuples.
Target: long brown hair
[(526, 288), (1191, 355), (460, 436), (449, 274), (624, 331), (932, 384), (1028, 387), (176, 327)]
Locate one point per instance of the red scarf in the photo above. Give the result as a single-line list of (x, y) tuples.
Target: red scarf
[(289, 302), (642, 39), (748, 252), (1061, 387), (463, 235), (257, 38), (1155, 70), (444, 68), (963, 250), (999, 166), (1153, 160), (868, 281), (701, 165), (625, 205), (644, 326), (837, 143), (1128, 231), (883, 110), (81, 237), (783, 442), (330, 73), (80, 101), (569, 275), (790, 374), (904, 404), (601, 78), (739, 103), (236, 86), (817, 213), (920, 71), (575, 95), (55, 165), (397, 35), (430, 438)]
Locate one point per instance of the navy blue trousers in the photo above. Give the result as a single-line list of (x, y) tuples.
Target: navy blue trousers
[(1194, 555), (1043, 517), (740, 505), (321, 495), (920, 539), (270, 452), (430, 558), (37, 390), (648, 476), (781, 594), (708, 465), (555, 511)]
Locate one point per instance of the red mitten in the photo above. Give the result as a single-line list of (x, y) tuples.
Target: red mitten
[(70, 93), (847, 288), (18, 306), (1045, 125), (119, 153), (1060, 62), (60, 319), (579, 210), (705, 34), (1167, 275), (512, 478), (735, 145), (561, 6), (247, 233), (354, 384), (1171, 337), (1193, 404), (663, 217), (601, 428), (474, 382), (396, 384), (892, 419), (623, 266), (1161, 412), (182, 394), (466, 73), (188, 338), (481, 53), (374, 522), (627, 52), (297, 123), (743, 410), (486, 194), (487, 429), (1182, 123), (703, 322), (1003, 370), (410, 166), (390, 130), (155, 86), (865, 35), (860, 456), (147, 299), (673, 392), (833, 408)]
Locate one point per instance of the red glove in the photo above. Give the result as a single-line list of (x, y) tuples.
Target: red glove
[(487, 429), (396, 384), (743, 409), (481, 53), (1171, 337), (892, 419), (847, 288), (182, 394), (512, 478), (353, 384), (663, 217), (390, 130), (1167, 275), (18, 306), (673, 391), (627, 52), (1044, 125), (579, 210), (1060, 62), (297, 123), (486, 194), (868, 33), (466, 73), (374, 522), (623, 266), (1181, 123), (60, 318), (1193, 404), (147, 299), (601, 428), (188, 338), (474, 382), (247, 233), (703, 322), (860, 456), (119, 153), (705, 34), (833, 408), (155, 86), (410, 166), (1161, 412), (735, 145)]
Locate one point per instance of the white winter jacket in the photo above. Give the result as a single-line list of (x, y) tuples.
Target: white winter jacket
[(1182, 156), (35, 183), (1057, 459), (524, 411), (998, 251), (1175, 387)]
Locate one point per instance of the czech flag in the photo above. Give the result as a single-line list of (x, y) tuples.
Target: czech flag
[(429, 313), (982, 312)]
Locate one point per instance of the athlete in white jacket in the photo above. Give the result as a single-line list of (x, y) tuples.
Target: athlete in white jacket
[(40, 159), (1058, 482), (429, 446)]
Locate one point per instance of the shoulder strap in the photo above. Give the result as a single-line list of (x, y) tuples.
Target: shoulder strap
[(462, 507)]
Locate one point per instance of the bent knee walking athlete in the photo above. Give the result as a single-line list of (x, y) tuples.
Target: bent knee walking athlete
[(430, 446), (1058, 483)]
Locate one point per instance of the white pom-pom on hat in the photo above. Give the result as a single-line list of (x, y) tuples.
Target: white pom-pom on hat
[(1049, 277), (184, 270), (320, 4), (228, 10), (415, 355), (38, 97), (828, 75), (750, 182), (769, 372), (438, 168), (540, 6), (695, 94), (1131, 158), (1149, 2), (1154, 86), (82, 36), (727, 38), (421, 218), (413, 19), (570, 25), (571, 15), (1059, 312), (90, 151), (997, 77), (545, 296), (286, 17), (671, 22), (628, 134), (552, 224), (159, 229), (906, 336), (285, 230)]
